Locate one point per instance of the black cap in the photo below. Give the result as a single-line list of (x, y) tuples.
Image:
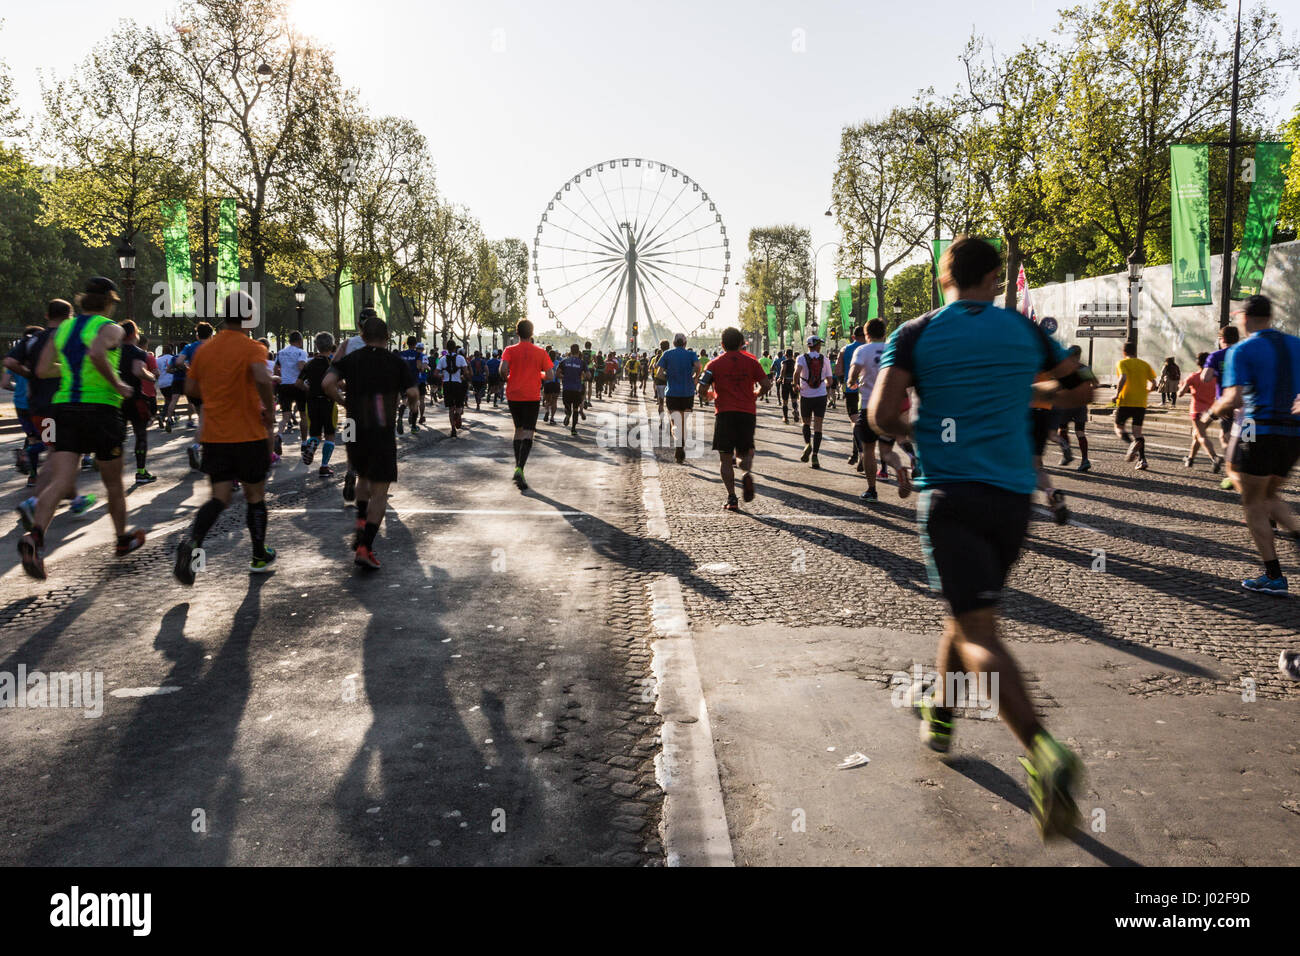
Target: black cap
[(1258, 307), (98, 285)]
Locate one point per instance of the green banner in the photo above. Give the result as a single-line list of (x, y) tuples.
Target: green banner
[(347, 313), (227, 249), (873, 307), (845, 295), (772, 340), (937, 247), (825, 321), (1189, 199), (176, 253), (1261, 216)]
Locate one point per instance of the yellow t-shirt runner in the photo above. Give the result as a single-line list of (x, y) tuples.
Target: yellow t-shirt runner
[(1137, 374)]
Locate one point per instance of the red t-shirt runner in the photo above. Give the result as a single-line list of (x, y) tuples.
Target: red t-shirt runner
[(734, 376), (528, 362)]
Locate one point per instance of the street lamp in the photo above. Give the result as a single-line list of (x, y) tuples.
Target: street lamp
[(1137, 261), (126, 260), (300, 296), (898, 308)]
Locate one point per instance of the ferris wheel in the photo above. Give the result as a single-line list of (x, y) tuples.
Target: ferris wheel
[(630, 247)]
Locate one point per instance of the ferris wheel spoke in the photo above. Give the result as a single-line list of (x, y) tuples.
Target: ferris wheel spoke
[(589, 239), (651, 210), (613, 309), (691, 249), (582, 278), (656, 238), (582, 252), (649, 230), (618, 240), (667, 282), (654, 328), (662, 238), (667, 274), (658, 287), (609, 202), (619, 276)]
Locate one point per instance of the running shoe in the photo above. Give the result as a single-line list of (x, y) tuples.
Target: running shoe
[(747, 486), (815, 463), (1056, 501), (325, 471), (350, 486), (1067, 455), (904, 477), (1187, 462), (365, 558), (87, 462), (30, 555), (1054, 773), (421, 419), (807, 452), (183, 566), (22, 462), (574, 431), (263, 564), (679, 455), (1217, 466), (131, 541), (82, 503), (869, 495), (279, 446), (1142, 465), (196, 463), (31, 479), (27, 512), (142, 477), (1289, 664), (308, 451), (167, 426), (518, 479), (1132, 452), (275, 459), (1225, 484), (1266, 585), (358, 529), (732, 504), (853, 458), (882, 473), (415, 429), (936, 724)]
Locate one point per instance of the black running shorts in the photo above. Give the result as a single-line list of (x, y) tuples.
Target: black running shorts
[(812, 407), (1124, 413), (373, 455), (247, 462), (320, 418), (733, 433), (524, 414), (1040, 428), (86, 427), (971, 535), (1266, 455), (851, 400), (679, 403), (454, 393)]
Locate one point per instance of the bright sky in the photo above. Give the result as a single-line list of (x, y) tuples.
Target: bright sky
[(746, 96)]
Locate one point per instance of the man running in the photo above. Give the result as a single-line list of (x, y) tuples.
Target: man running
[(976, 474), (1212, 371), (133, 369), (347, 347), (571, 370), (1203, 395), (202, 332), (813, 373), (413, 356), (494, 378), (320, 407), (592, 363), (377, 380), (230, 376), (1136, 381), (681, 366), (525, 366), (1065, 417), (864, 369), (852, 397), (788, 387), (478, 378), (733, 375), (293, 400), (766, 362), (1261, 376), (86, 409), (550, 390)]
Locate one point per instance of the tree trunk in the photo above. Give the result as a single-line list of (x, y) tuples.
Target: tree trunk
[(1013, 270)]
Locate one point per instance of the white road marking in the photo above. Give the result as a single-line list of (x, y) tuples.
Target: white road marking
[(694, 827), (142, 691)]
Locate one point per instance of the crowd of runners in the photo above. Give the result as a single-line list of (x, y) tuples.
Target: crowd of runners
[(959, 405)]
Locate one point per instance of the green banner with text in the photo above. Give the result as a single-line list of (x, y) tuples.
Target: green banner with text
[(347, 315), (176, 254), (772, 339), (1261, 216), (1189, 199), (845, 295)]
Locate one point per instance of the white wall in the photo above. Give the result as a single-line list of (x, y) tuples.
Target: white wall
[(1162, 330)]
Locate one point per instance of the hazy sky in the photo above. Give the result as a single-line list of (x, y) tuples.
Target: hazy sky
[(515, 96)]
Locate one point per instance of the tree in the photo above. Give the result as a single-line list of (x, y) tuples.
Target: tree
[(1142, 75), (778, 272), (512, 273), (911, 287), (1289, 210)]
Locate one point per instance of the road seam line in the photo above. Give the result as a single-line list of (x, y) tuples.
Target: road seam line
[(694, 825)]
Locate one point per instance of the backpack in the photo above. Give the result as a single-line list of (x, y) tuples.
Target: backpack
[(814, 363)]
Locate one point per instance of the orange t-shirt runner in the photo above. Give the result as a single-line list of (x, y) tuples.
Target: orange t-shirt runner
[(528, 362), (232, 407)]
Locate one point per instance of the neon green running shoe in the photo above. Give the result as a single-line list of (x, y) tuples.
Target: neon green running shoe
[(1054, 773), (262, 565), (936, 725)]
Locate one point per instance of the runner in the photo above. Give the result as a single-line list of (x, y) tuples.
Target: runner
[(1136, 380), (1041, 419), (661, 379), (633, 372), (681, 368), (293, 399), (133, 369), (864, 369), (377, 380), (413, 356), (455, 387), (1203, 395), (1212, 371), (786, 374), (478, 378), (202, 332), (230, 376), (976, 474), (1261, 376), (766, 362), (321, 410), (32, 398), (20, 368), (732, 376), (611, 371), (345, 348), (812, 372), (643, 365), (494, 378), (165, 387), (1167, 385), (524, 367), (591, 362), (1076, 416), (86, 409), (551, 389), (571, 370), (852, 397)]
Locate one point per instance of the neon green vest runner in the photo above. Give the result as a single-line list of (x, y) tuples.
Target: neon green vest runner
[(80, 380)]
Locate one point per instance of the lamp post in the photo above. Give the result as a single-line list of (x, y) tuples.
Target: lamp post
[(299, 297), (898, 312), (126, 260), (1137, 261)]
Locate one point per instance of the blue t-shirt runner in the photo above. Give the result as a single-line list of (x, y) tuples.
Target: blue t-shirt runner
[(571, 368), (679, 366), (1266, 367)]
